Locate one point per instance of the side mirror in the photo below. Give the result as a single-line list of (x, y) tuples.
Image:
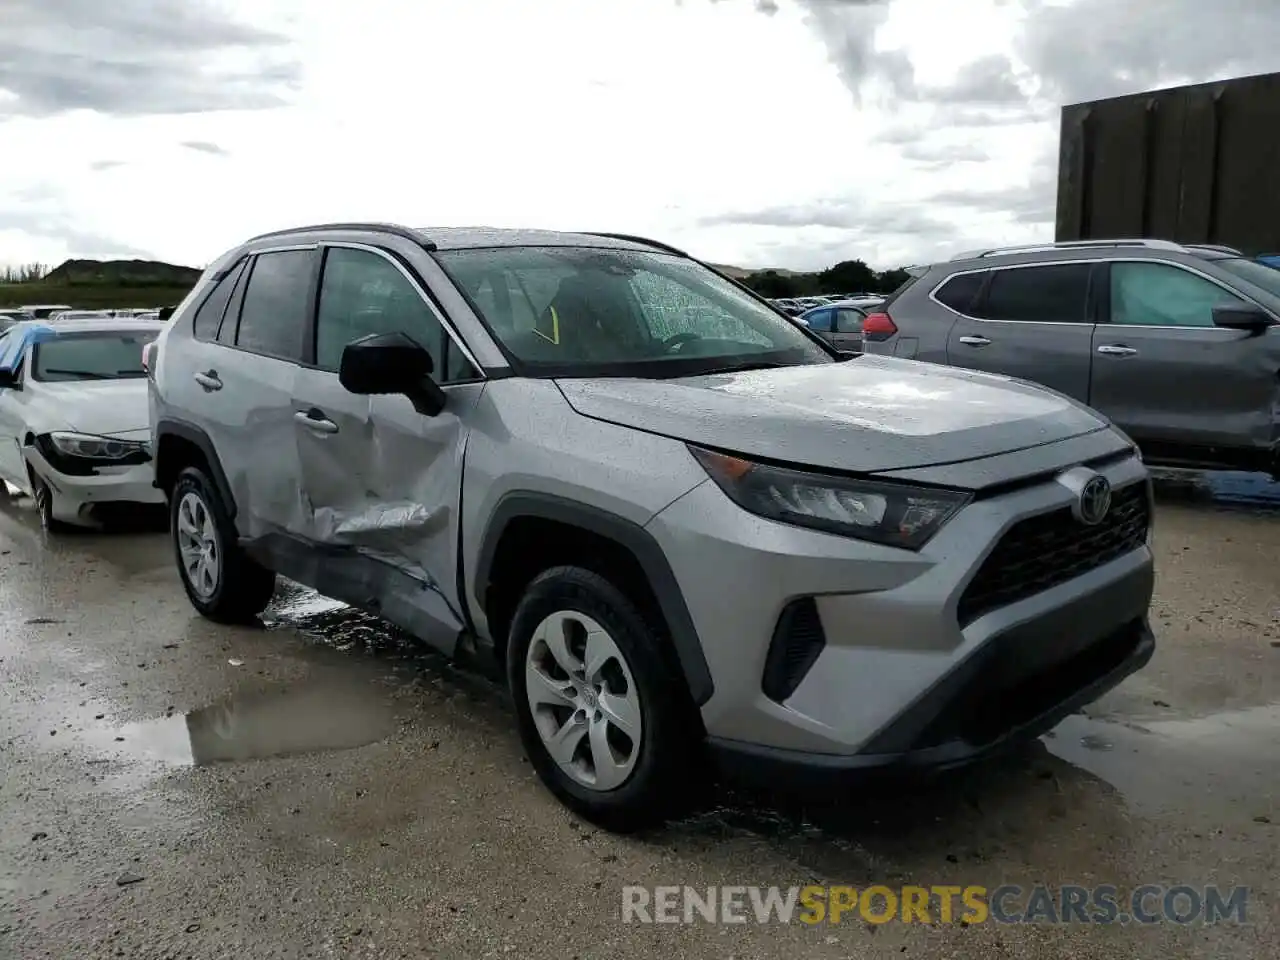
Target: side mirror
[(1246, 316), (8, 379), (387, 363)]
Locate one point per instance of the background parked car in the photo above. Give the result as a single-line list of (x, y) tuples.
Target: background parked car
[(1177, 344), (74, 431), (840, 324)]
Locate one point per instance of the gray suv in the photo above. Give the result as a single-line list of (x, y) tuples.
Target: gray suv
[(687, 526), (1177, 345)]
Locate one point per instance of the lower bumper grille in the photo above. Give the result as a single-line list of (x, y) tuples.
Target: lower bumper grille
[(1041, 552)]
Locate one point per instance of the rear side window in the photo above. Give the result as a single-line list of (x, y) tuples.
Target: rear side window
[(273, 317), (819, 321), (209, 316), (960, 291), (1057, 293), (848, 321)]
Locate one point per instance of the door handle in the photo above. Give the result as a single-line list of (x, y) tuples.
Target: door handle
[(209, 380), (1116, 350), (974, 341), (315, 420)]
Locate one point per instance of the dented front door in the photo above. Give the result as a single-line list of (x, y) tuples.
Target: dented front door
[(380, 482), (381, 479)]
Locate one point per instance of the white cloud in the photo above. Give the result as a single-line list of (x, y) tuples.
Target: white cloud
[(695, 122)]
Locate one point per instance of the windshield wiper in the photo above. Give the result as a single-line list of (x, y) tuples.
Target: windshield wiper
[(78, 374), (743, 366)]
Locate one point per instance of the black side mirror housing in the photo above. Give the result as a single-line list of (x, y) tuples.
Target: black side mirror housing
[(8, 379), (389, 363), (1246, 316)]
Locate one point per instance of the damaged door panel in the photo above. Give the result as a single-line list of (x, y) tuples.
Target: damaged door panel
[(380, 489), (380, 481)]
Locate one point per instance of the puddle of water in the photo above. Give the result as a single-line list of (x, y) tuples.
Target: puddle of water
[(288, 723), (1230, 758)]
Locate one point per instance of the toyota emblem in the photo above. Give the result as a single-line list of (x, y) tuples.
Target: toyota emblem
[(1094, 501)]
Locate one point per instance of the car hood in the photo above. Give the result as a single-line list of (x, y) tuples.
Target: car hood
[(864, 415), (101, 407)]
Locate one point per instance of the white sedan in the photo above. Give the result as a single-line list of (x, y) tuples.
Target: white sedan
[(74, 429)]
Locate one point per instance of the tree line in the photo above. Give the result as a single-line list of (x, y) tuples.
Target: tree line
[(848, 276), (24, 273)]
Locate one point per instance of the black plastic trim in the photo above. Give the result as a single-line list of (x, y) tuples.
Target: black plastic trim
[(798, 640), (633, 537), (190, 432), (805, 770)]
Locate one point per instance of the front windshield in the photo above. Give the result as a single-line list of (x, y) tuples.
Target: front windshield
[(106, 355), (584, 311), (1259, 274)]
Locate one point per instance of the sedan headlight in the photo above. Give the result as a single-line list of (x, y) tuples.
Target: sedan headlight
[(88, 447), (895, 514)]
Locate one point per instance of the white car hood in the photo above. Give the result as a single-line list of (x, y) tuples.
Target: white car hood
[(104, 408)]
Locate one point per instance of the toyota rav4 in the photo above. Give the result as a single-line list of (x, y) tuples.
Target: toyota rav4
[(687, 526)]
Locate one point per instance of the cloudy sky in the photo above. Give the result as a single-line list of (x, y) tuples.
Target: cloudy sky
[(787, 133)]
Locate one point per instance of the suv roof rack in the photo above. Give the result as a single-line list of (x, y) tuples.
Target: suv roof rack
[(394, 228), (1215, 248), (1150, 244), (633, 238)]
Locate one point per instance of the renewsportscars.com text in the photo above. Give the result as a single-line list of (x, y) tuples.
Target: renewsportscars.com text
[(813, 905)]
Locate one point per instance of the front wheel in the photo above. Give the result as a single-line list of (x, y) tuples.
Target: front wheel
[(598, 705), (222, 581), (42, 494)]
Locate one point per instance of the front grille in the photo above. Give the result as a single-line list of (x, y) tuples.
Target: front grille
[(1043, 551), (798, 639)]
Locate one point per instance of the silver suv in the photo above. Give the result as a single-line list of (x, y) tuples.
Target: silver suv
[(686, 525), (1178, 345)]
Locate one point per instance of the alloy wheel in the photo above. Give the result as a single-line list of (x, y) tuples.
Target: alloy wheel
[(584, 700), (198, 545)]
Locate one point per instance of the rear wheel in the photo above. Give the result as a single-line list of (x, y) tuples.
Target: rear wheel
[(598, 706), (222, 581)]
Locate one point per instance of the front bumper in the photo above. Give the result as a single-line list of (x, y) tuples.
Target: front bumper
[(76, 495), (964, 721), (903, 675)]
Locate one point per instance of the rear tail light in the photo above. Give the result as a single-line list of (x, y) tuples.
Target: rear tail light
[(878, 326)]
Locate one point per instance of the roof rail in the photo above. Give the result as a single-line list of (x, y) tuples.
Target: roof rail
[(393, 228), (644, 241), (1150, 244), (1215, 248)]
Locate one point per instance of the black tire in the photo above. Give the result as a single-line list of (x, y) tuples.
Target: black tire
[(660, 784), (43, 497), (243, 587)]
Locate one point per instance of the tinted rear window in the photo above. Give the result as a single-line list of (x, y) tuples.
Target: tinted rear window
[(1057, 293), (209, 316), (959, 292), (273, 318)]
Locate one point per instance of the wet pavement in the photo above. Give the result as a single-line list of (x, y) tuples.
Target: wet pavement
[(320, 787)]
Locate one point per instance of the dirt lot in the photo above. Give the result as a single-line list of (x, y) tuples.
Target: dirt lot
[(170, 788)]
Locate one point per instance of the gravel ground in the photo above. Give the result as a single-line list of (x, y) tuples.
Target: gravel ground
[(318, 788)]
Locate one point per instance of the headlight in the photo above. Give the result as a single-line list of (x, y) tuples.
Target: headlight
[(895, 514), (89, 447)]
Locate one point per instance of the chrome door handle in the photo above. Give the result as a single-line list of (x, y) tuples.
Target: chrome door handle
[(314, 420), (974, 341), (209, 380), (1116, 350)]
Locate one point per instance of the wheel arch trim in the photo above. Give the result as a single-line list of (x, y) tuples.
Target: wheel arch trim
[(628, 535), (189, 432)]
